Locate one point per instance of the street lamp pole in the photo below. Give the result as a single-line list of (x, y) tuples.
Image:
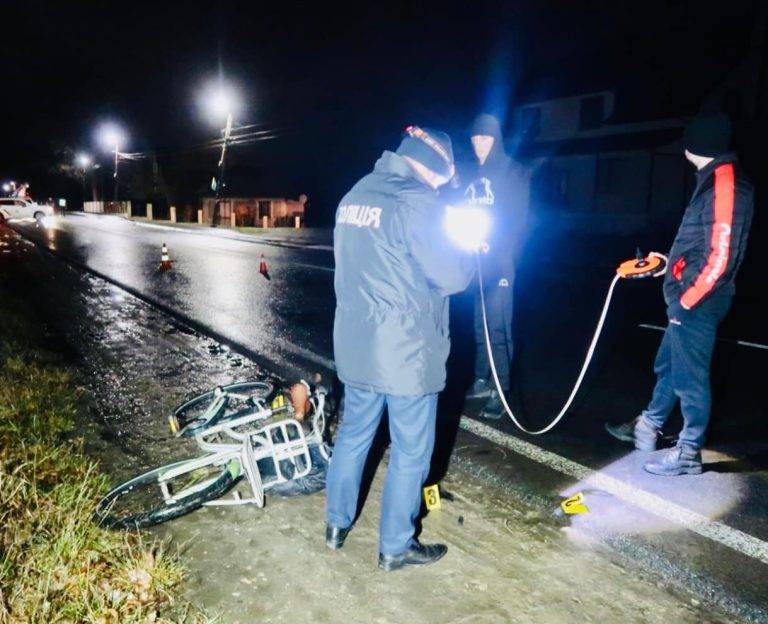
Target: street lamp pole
[(111, 137), (84, 162), (221, 183), (227, 132), (117, 159)]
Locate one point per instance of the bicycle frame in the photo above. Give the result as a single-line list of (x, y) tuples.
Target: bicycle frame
[(283, 443)]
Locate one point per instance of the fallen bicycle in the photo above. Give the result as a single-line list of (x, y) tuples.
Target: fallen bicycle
[(228, 424)]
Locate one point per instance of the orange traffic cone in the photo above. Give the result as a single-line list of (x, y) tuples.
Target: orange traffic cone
[(165, 260), (263, 267)]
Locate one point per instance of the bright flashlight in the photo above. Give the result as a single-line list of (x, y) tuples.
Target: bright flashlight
[(467, 226), (83, 161), (7, 187)]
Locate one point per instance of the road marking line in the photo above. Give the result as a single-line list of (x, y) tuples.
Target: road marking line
[(741, 343), (711, 529)]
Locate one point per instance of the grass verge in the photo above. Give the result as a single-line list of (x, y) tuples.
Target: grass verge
[(56, 565)]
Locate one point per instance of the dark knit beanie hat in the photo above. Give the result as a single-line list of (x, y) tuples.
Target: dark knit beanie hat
[(431, 148), (708, 135)]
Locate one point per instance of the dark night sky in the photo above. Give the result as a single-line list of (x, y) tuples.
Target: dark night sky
[(340, 82)]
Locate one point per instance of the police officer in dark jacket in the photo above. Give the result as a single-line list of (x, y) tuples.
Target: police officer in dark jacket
[(698, 289), (498, 184), (395, 269)]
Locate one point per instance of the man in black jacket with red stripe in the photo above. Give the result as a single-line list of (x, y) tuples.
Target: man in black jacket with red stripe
[(698, 289)]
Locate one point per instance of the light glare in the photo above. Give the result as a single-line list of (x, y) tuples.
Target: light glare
[(467, 227), (111, 137), (219, 101)]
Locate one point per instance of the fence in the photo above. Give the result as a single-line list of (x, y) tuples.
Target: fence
[(110, 207)]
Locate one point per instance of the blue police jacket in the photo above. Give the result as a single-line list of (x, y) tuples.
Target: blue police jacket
[(395, 269)]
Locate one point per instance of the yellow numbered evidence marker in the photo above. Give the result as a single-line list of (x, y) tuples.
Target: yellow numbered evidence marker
[(432, 497), (173, 424), (278, 402), (574, 504)]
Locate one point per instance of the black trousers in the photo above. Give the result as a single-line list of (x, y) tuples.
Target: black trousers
[(498, 302)]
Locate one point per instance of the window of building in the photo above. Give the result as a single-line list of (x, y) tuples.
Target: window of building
[(591, 112)]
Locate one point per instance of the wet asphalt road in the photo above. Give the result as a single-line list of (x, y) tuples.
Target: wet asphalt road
[(288, 320), (215, 281)]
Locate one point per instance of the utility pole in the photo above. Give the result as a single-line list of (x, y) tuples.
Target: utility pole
[(117, 159), (221, 183)]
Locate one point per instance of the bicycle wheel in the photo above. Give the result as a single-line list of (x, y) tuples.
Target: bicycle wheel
[(219, 405), (167, 492)]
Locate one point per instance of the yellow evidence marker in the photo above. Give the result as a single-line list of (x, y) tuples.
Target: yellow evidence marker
[(278, 402), (432, 497), (575, 504)]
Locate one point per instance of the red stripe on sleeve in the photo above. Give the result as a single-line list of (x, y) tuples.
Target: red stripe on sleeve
[(720, 243)]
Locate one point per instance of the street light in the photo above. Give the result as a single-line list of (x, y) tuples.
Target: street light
[(84, 162), (221, 102), (112, 137)]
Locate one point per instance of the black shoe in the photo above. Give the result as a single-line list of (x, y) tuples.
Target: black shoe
[(637, 432), (335, 536), (417, 554), (479, 390), (493, 409)]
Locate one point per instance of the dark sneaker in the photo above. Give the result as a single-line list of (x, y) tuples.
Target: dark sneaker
[(416, 555), (335, 536), (493, 409), (638, 432), (679, 460), (479, 390)]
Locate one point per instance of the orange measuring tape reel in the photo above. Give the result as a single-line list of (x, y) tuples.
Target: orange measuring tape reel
[(642, 266)]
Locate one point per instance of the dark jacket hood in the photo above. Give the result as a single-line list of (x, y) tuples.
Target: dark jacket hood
[(488, 125)]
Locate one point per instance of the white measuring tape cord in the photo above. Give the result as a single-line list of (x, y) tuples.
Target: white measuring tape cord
[(587, 361)]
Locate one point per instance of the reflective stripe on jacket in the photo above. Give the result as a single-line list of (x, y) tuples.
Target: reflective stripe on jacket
[(712, 237)]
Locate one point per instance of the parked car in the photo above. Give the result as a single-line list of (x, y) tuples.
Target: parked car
[(17, 208)]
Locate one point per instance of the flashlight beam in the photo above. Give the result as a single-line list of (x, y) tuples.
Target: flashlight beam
[(719, 532)]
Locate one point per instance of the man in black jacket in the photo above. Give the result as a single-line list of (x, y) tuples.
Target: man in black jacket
[(698, 289), (499, 186)]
